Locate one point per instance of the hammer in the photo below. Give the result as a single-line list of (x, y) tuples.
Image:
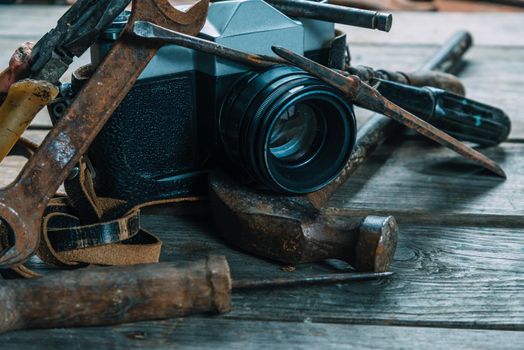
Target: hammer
[(295, 229)]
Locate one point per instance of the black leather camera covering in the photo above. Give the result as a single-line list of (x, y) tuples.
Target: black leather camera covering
[(148, 149)]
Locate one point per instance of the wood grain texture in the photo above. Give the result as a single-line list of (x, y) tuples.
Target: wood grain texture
[(213, 333), (467, 277), (422, 182)]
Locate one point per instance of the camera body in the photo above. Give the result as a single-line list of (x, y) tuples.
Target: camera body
[(175, 125)]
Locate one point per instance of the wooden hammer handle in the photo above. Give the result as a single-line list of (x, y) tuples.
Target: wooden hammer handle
[(112, 295)]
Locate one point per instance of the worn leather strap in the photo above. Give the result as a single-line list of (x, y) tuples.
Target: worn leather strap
[(76, 231)]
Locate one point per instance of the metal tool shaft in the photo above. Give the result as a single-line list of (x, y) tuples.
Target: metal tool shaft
[(334, 13), (308, 280), (147, 30), (448, 57)]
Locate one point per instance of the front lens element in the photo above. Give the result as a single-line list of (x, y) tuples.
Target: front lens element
[(296, 134)]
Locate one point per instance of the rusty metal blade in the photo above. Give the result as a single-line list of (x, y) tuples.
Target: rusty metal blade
[(367, 97), (151, 31)]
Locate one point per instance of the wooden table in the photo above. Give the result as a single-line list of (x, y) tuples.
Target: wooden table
[(460, 261)]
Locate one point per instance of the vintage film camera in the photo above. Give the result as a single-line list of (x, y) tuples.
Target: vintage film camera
[(279, 129)]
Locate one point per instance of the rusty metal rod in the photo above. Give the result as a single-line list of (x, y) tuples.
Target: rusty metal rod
[(334, 13), (368, 97), (448, 57), (309, 280), (150, 31)]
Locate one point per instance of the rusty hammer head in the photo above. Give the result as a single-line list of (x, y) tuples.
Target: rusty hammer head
[(291, 230)]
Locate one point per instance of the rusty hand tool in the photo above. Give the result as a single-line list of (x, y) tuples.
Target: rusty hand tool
[(112, 295), (46, 61), (22, 204), (334, 13), (388, 5), (288, 229), (294, 229), (418, 78), (150, 31), (368, 97)]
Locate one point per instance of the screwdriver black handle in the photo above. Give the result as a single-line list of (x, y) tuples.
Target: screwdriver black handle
[(462, 118)]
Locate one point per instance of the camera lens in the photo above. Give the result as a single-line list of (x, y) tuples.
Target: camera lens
[(287, 130), (296, 134)]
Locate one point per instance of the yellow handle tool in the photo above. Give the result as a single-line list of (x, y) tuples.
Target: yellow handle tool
[(24, 100)]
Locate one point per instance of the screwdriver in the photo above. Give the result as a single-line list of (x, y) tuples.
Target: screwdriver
[(96, 296), (368, 97)]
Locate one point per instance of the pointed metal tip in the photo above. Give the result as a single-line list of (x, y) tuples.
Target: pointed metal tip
[(283, 52), (499, 171)]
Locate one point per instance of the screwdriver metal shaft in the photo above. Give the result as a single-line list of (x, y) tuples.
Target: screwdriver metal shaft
[(308, 280)]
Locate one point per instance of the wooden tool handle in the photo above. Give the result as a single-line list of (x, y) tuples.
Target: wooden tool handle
[(112, 295), (24, 100), (440, 80)]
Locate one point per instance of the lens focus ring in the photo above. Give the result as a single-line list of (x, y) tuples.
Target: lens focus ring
[(287, 130)]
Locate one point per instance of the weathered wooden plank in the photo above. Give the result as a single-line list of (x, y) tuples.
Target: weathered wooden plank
[(493, 29), (421, 181), (449, 277), (219, 333), (464, 277), (469, 277)]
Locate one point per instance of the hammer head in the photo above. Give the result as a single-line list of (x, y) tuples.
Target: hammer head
[(289, 229)]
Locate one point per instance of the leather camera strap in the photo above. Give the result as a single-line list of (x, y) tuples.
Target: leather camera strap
[(82, 228)]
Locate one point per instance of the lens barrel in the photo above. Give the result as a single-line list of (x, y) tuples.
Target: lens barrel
[(287, 130)]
